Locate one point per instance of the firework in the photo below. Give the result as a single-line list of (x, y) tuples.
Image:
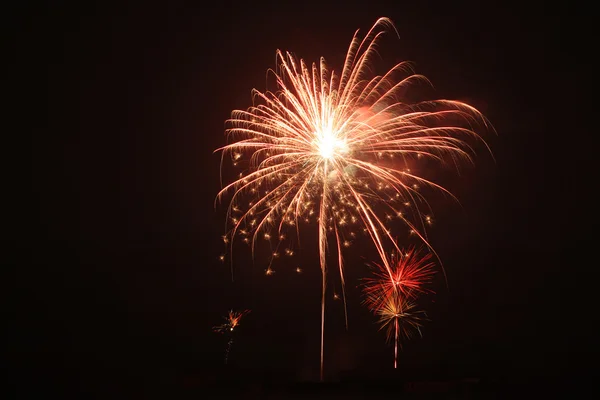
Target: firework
[(335, 150), (408, 273), (232, 321), (399, 316), (391, 293)]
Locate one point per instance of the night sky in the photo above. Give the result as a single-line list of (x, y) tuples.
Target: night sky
[(119, 274)]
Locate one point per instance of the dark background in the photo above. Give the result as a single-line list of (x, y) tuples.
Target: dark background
[(118, 278)]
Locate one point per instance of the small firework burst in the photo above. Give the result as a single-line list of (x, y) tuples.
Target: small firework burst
[(391, 294), (232, 321), (408, 273), (400, 318)]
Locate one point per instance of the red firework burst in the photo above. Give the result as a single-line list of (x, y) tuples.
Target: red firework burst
[(408, 275)]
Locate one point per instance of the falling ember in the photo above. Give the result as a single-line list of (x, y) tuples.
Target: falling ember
[(337, 146)]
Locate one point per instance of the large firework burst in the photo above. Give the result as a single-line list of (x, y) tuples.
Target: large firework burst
[(232, 320), (335, 148)]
